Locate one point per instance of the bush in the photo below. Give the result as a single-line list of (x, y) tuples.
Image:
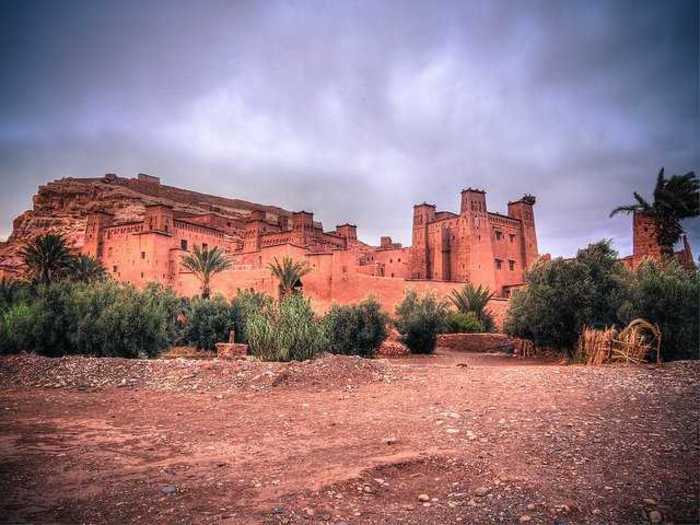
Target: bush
[(99, 319), (563, 295), (116, 320), (461, 323), (17, 329), (356, 329), (419, 320), (286, 331), (209, 321), (243, 306), (474, 300), (669, 296)]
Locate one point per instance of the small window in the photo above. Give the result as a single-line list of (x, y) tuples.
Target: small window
[(512, 237), (183, 244), (143, 255), (114, 269), (205, 246), (399, 259), (499, 264), (141, 275), (511, 265), (391, 261), (392, 274), (498, 235)]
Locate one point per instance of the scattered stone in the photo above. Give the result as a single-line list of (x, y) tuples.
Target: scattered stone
[(451, 430), (649, 501), (530, 506), (482, 491), (168, 489), (423, 497), (368, 489), (524, 518), (655, 516), (391, 440)]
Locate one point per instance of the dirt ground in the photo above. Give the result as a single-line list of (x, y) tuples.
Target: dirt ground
[(417, 440)]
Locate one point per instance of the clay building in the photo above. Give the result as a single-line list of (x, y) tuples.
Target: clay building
[(645, 244), (448, 249)]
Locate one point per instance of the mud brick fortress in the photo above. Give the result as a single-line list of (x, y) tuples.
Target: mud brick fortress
[(140, 229)]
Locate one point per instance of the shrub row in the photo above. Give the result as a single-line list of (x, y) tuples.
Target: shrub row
[(595, 289)]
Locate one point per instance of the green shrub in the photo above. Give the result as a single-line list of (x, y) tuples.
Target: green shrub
[(419, 320), (286, 331), (17, 329), (463, 323), (563, 295), (100, 319), (356, 329), (209, 321), (13, 292), (243, 306), (474, 300), (55, 319), (667, 295)]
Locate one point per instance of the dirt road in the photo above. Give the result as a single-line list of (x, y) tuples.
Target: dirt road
[(499, 440)]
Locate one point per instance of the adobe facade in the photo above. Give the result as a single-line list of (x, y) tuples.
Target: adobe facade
[(645, 244), (448, 249)]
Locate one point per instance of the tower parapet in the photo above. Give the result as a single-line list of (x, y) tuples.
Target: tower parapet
[(523, 210)]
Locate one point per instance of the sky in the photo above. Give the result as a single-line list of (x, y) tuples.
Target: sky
[(357, 110)]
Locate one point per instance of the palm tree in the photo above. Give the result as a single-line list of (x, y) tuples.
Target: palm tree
[(474, 299), (289, 273), (47, 257), (675, 199), (86, 269), (205, 264)]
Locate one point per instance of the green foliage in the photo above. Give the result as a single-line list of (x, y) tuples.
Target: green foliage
[(205, 264), (209, 321), (286, 331), (356, 329), (675, 199), (289, 274), (419, 319), (99, 319), (475, 300), (463, 323), (16, 328), (85, 269), (667, 295), (563, 295), (243, 306), (13, 292), (47, 258)]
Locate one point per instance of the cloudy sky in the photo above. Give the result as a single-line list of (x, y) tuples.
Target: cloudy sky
[(358, 110)]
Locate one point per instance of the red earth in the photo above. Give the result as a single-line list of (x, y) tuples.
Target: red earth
[(449, 438)]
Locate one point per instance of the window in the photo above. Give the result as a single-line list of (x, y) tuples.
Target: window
[(391, 261), (499, 263), (183, 244), (141, 275), (114, 269), (512, 237), (511, 265), (143, 255), (205, 246), (399, 259), (498, 235)]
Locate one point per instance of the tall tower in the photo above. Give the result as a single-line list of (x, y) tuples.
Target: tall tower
[(477, 255), (94, 233), (523, 210), (254, 228), (419, 264), (302, 227), (159, 218), (644, 239)]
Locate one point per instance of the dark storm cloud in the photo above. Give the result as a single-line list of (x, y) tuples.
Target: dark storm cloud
[(357, 110)]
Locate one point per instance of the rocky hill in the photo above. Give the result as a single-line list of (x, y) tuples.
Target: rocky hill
[(63, 206)]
